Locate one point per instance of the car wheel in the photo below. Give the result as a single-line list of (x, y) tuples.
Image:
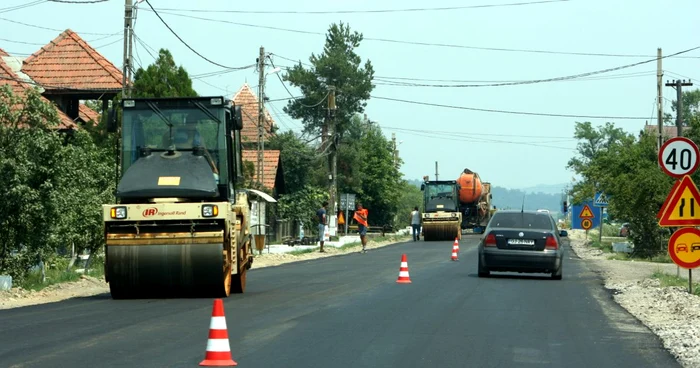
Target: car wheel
[(558, 274), (483, 271)]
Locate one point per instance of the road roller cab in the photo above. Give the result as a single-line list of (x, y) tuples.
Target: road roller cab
[(180, 226)]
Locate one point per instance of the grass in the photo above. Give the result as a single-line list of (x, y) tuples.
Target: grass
[(605, 245), (56, 274), (670, 280)]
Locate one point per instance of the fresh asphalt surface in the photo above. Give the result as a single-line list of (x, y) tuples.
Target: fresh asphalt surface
[(348, 311)]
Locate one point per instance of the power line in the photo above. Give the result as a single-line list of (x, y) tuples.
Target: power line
[(185, 43), (17, 7), (405, 10), (78, 2), (417, 43), (511, 112), (477, 134), (54, 29)]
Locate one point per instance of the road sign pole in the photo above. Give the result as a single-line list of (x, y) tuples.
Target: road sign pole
[(690, 281), (600, 227)]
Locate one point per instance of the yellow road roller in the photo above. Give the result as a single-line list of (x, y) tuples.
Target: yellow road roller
[(441, 216), (181, 224)]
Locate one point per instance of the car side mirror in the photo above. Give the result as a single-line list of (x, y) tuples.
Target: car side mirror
[(422, 187), (563, 233), (112, 120)]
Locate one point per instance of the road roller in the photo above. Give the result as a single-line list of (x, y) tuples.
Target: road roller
[(180, 226), (441, 216)]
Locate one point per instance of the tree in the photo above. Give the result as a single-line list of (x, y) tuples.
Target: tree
[(301, 206), (296, 157), (163, 78), (338, 66), (54, 184), (593, 142), (691, 108), (381, 180)]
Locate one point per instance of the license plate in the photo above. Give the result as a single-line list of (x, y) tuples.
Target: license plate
[(521, 241)]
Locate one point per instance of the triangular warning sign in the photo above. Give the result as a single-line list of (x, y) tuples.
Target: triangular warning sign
[(670, 195), (341, 218), (683, 209), (586, 212)]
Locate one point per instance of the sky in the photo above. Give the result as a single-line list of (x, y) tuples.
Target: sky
[(507, 148)]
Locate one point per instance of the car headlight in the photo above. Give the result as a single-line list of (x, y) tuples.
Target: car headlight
[(210, 210), (118, 213)]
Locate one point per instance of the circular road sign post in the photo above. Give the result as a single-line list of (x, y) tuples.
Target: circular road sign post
[(679, 157), (586, 224), (684, 249)]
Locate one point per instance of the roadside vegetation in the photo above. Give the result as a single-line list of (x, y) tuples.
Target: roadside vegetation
[(56, 181), (667, 280), (625, 167)]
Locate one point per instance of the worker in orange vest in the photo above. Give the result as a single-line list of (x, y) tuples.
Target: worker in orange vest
[(361, 217)]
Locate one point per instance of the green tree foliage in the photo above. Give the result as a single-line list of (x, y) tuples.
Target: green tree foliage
[(296, 157), (691, 108), (54, 185), (163, 78), (381, 180), (301, 205), (338, 66), (410, 196)]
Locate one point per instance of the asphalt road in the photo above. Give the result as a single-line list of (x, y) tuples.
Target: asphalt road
[(348, 311)]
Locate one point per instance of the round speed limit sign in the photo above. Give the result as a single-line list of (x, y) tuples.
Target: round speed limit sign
[(679, 157)]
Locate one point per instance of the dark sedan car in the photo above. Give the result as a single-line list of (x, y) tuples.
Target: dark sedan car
[(521, 241)]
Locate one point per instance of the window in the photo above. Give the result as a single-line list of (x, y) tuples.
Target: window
[(539, 221)]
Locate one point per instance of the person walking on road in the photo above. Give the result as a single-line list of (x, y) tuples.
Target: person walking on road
[(415, 223), (361, 217), (321, 215)]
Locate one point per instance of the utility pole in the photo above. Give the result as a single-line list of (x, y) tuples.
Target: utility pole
[(333, 142), (660, 103), (128, 34), (436, 171), (261, 116), (678, 85)]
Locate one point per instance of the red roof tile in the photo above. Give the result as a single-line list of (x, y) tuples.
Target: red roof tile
[(3, 53), (248, 101), (86, 114), (271, 161), (19, 88), (69, 62)]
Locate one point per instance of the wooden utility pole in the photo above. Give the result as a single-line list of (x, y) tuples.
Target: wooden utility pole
[(660, 103), (333, 149), (678, 85), (261, 116), (128, 34)]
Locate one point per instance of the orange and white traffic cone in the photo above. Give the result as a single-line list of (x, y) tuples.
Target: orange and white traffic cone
[(403, 271), (455, 250), (218, 349)]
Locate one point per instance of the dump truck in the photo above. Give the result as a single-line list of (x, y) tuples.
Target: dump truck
[(474, 201), (181, 224), (441, 215)]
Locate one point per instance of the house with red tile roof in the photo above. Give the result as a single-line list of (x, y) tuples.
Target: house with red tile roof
[(248, 101), (69, 70), (20, 86), (668, 131), (273, 177), (86, 114)]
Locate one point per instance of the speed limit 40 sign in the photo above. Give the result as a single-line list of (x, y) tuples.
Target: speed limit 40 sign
[(679, 157)]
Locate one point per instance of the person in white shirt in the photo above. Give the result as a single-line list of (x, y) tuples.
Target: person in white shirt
[(415, 223)]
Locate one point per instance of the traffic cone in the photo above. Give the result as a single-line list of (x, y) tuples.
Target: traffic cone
[(455, 250), (403, 271), (218, 349)]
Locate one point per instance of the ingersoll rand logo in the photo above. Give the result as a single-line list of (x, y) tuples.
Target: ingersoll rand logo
[(148, 212)]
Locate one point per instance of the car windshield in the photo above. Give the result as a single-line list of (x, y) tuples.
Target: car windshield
[(183, 128), (521, 220)]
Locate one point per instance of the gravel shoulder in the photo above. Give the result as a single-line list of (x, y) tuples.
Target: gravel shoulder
[(670, 312), (88, 286)]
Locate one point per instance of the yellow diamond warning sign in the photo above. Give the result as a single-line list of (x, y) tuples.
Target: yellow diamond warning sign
[(586, 212)]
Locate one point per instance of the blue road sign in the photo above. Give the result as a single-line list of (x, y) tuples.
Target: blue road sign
[(576, 210), (600, 200)]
